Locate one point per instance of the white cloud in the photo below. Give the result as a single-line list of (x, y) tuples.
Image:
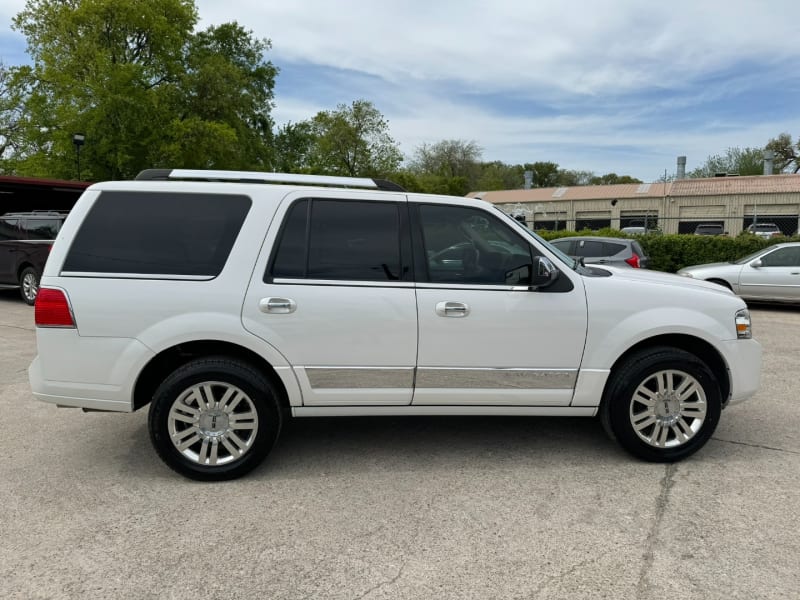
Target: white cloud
[(583, 46), (612, 85)]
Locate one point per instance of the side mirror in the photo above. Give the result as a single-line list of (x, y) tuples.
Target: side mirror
[(757, 263), (544, 272), (541, 273)]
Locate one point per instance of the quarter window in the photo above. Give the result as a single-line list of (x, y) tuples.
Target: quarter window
[(40, 229), (158, 234)]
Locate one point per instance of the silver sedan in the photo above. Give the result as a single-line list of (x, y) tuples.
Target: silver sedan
[(771, 274)]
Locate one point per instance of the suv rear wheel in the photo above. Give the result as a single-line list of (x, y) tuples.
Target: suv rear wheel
[(662, 404), (29, 285), (214, 419)]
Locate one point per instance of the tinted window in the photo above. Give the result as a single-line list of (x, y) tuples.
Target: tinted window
[(340, 240), (290, 258), (466, 245), (157, 233), (40, 229), (611, 248), (8, 229), (563, 245), (589, 248)]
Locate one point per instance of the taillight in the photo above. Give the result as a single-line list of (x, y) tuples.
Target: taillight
[(52, 309), (633, 261)]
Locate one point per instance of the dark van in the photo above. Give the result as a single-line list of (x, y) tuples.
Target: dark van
[(25, 241)]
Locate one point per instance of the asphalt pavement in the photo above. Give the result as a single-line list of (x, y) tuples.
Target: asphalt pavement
[(369, 508)]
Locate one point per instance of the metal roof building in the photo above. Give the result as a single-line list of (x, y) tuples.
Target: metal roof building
[(674, 207)]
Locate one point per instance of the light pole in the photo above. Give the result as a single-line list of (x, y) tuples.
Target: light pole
[(78, 139)]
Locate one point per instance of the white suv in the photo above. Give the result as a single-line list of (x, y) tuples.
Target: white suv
[(229, 301)]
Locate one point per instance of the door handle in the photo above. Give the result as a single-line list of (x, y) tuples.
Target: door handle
[(452, 309), (277, 306)]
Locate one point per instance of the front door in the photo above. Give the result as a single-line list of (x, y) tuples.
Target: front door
[(481, 340), (777, 278)]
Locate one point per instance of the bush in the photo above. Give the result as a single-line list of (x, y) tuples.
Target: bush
[(672, 252)]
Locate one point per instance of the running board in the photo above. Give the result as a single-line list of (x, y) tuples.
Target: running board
[(485, 411)]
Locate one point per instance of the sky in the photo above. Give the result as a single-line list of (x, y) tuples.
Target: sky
[(620, 86)]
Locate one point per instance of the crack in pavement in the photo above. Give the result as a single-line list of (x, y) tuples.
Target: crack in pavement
[(409, 546), (652, 537), (552, 578), (763, 447), (18, 327)]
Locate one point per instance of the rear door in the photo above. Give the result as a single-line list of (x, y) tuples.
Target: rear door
[(335, 296)]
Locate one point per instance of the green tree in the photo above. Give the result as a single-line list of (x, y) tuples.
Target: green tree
[(10, 113), (142, 86), (570, 177), (613, 179), (227, 91), (448, 158), (292, 147), (740, 161), (498, 175), (545, 174), (787, 154), (353, 141)]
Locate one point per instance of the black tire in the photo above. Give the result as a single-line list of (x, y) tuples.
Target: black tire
[(29, 285), (253, 405), (625, 414)]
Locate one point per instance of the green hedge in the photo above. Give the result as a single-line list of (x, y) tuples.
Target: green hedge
[(672, 252)]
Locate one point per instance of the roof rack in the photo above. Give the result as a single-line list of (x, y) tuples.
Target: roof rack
[(261, 177), (37, 213)]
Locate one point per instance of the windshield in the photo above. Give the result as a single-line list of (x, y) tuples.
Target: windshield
[(567, 260)]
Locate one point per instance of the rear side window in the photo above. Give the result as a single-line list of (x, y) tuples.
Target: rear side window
[(340, 240), (40, 229), (154, 233), (9, 230)]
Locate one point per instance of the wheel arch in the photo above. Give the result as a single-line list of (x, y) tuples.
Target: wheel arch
[(24, 265), (166, 361), (694, 345), (721, 281)]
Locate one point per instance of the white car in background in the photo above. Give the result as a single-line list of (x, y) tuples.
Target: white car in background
[(771, 274), (765, 230)]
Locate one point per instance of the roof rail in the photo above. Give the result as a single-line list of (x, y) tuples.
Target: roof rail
[(261, 177), (38, 213)]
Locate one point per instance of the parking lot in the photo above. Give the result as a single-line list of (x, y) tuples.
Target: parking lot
[(402, 507)]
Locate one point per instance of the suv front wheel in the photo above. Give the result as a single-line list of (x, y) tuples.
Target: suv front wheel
[(214, 418), (662, 404)]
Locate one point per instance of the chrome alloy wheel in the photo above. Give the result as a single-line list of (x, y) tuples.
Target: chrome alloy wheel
[(30, 286), (668, 409), (213, 423)]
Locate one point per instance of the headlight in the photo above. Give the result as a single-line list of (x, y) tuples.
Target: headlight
[(743, 330)]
